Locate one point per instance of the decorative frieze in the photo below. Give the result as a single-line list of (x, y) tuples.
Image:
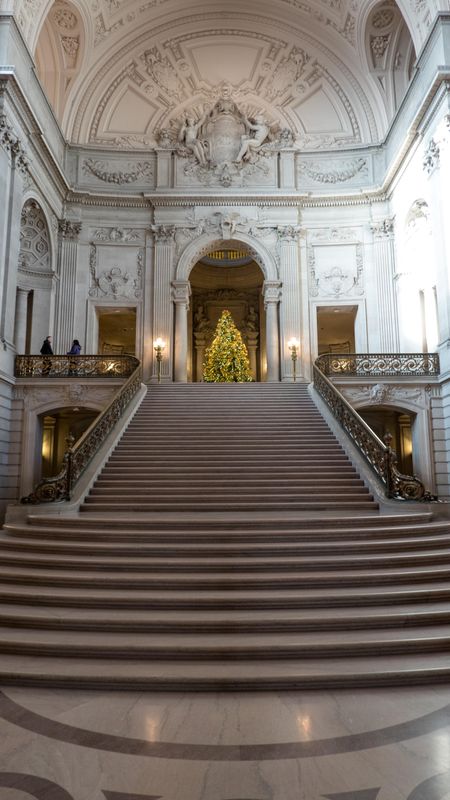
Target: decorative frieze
[(118, 235), (336, 172), (130, 173)]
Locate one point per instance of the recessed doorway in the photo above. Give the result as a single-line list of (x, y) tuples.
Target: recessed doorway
[(116, 331), (336, 329)]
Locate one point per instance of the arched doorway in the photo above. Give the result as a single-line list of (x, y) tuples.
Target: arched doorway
[(263, 281), (228, 278)]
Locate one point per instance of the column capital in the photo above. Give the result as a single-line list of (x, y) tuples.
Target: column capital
[(289, 233), (382, 228), (272, 292), (181, 292), (69, 229), (164, 234)]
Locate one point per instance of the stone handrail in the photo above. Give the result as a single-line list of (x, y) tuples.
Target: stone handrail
[(75, 366), (379, 455), (80, 454), (379, 364)]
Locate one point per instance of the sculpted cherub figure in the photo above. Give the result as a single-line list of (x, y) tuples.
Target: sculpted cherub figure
[(189, 136), (250, 144)]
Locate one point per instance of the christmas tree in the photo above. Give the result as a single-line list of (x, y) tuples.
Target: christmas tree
[(226, 359)]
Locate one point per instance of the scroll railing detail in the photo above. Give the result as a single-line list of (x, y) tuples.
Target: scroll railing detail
[(80, 454), (379, 455), (379, 364), (75, 366)]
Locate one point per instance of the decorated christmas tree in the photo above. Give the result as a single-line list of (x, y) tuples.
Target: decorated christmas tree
[(226, 359)]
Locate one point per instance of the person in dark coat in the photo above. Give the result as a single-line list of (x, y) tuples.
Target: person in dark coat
[(46, 350)]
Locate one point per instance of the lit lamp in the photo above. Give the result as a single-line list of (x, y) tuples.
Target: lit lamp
[(294, 346), (158, 346)]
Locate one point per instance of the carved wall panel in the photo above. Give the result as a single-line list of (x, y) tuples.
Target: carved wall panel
[(336, 268), (116, 272)]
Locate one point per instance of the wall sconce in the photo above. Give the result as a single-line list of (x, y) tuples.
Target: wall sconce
[(158, 346), (294, 346)]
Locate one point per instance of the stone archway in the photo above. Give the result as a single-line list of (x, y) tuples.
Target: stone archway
[(181, 287)]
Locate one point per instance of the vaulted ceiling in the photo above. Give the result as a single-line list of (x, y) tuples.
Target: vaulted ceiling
[(118, 72)]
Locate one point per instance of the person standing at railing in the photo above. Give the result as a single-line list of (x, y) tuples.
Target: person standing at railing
[(46, 350), (75, 350)]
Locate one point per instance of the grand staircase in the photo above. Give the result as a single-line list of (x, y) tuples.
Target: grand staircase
[(227, 544)]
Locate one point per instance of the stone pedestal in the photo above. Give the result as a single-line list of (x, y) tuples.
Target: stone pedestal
[(252, 347)]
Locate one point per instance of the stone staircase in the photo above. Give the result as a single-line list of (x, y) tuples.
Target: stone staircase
[(228, 544)]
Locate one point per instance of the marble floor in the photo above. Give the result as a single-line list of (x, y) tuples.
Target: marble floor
[(364, 745)]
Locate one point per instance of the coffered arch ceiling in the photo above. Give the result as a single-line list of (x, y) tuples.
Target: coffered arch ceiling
[(303, 63)]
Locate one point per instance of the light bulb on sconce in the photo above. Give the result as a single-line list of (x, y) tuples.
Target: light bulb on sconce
[(158, 346), (294, 347)]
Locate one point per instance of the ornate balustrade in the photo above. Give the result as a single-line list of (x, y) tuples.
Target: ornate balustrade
[(79, 455), (379, 455), (379, 364), (75, 366)]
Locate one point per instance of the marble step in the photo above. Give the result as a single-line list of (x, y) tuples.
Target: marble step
[(232, 621), (132, 675), (180, 577), (213, 600), (225, 647), (232, 523), (191, 491), (279, 540), (24, 547), (230, 562), (328, 504)]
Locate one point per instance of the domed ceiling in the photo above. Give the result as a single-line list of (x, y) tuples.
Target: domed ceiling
[(123, 73)]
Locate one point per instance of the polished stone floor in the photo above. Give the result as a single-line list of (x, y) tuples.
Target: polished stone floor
[(364, 745)]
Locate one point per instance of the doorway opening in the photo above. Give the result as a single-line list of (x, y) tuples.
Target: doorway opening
[(116, 331), (227, 278), (54, 428), (400, 425), (336, 329)]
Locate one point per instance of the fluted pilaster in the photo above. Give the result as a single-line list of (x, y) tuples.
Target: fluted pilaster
[(20, 321), (290, 317), (69, 232), (163, 307), (384, 266)]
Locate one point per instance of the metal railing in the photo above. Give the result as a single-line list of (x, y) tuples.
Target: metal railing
[(75, 366), (379, 455), (80, 454), (379, 364)]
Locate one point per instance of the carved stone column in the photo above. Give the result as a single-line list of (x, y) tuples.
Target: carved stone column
[(69, 232), (20, 321), (271, 290), (384, 267), (252, 346), (181, 291), (13, 169), (290, 317), (200, 346), (162, 301)]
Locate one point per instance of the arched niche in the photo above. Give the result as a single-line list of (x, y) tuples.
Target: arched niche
[(35, 280), (390, 52), (59, 53), (206, 243)]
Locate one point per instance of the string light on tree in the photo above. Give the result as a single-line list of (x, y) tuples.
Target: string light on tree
[(226, 359)]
